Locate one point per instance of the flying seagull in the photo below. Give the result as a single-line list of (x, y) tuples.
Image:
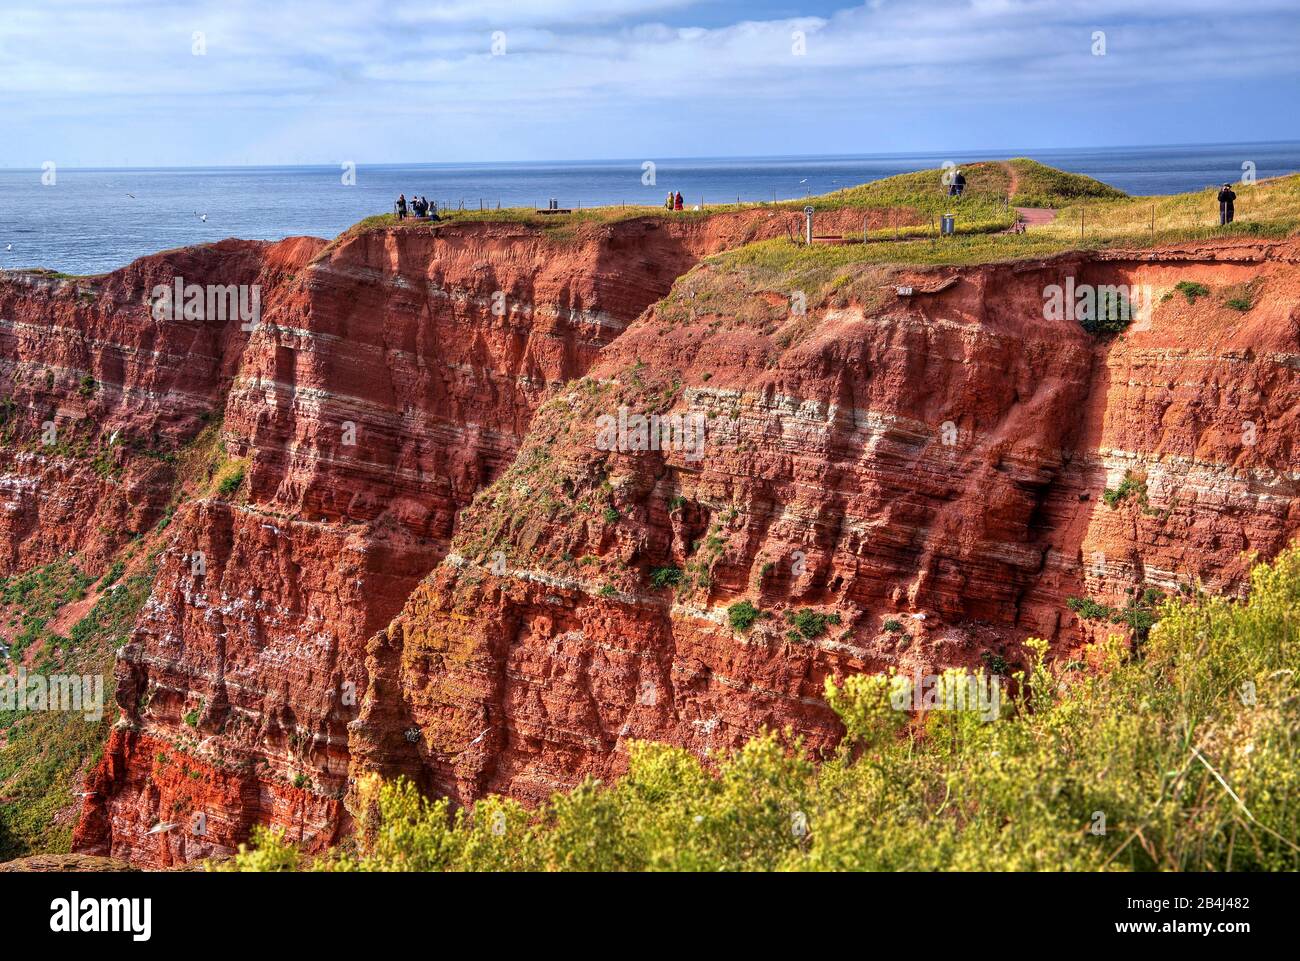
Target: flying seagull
[(161, 827), (202, 217), (132, 196)]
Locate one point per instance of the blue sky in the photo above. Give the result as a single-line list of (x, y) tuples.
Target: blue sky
[(115, 82)]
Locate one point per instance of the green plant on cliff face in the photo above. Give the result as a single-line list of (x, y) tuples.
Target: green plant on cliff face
[(1187, 748), (743, 615), (1131, 484), (229, 481), (1191, 290), (665, 577), (1090, 610), (996, 663), (808, 623)]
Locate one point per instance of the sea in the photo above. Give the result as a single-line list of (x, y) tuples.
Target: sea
[(92, 220)]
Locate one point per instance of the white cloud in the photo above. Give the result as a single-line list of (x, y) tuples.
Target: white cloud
[(348, 63)]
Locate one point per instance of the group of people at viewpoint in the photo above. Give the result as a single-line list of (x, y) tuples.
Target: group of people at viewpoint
[(419, 206), (674, 201)]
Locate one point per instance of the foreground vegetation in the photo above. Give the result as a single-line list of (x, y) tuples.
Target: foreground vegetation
[(1176, 755)]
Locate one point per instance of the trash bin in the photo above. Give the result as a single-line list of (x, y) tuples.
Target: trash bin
[(947, 226)]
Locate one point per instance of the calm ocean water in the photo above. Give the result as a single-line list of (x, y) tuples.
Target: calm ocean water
[(94, 220)]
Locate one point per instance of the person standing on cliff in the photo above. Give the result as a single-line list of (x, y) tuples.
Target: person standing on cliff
[(1226, 197), (401, 206), (677, 203), (669, 202)]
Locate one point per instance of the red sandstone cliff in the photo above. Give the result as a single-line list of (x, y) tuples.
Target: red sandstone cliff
[(391, 378), (397, 374), (827, 484)]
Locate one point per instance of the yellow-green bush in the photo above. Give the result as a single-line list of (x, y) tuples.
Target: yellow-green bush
[(1187, 750)]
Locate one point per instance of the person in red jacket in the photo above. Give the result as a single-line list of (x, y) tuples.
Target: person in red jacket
[(677, 202)]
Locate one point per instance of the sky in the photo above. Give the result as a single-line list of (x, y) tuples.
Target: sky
[(166, 82)]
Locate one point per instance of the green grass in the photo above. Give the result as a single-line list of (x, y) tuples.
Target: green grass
[(1178, 758), (1039, 185), (982, 207), (1270, 208), (46, 751), (30, 600)]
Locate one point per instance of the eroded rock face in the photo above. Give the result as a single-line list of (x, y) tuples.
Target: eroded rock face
[(391, 378), (98, 393), (935, 459)]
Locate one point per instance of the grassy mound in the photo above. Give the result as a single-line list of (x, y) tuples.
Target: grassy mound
[(1177, 757), (1038, 185), (983, 205)]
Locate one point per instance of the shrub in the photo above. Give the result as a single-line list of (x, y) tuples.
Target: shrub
[(808, 623), (996, 663), (742, 615), (1088, 609), (1242, 304), (1111, 316), (230, 483), (1129, 485), (112, 575), (611, 514), (1191, 290), (893, 626), (665, 577)]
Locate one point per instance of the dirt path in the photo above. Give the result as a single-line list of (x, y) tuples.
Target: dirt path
[(1033, 216), (1014, 176), (1029, 216)]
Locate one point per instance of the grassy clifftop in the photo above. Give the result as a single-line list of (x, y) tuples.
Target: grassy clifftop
[(1089, 215), (992, 187)]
